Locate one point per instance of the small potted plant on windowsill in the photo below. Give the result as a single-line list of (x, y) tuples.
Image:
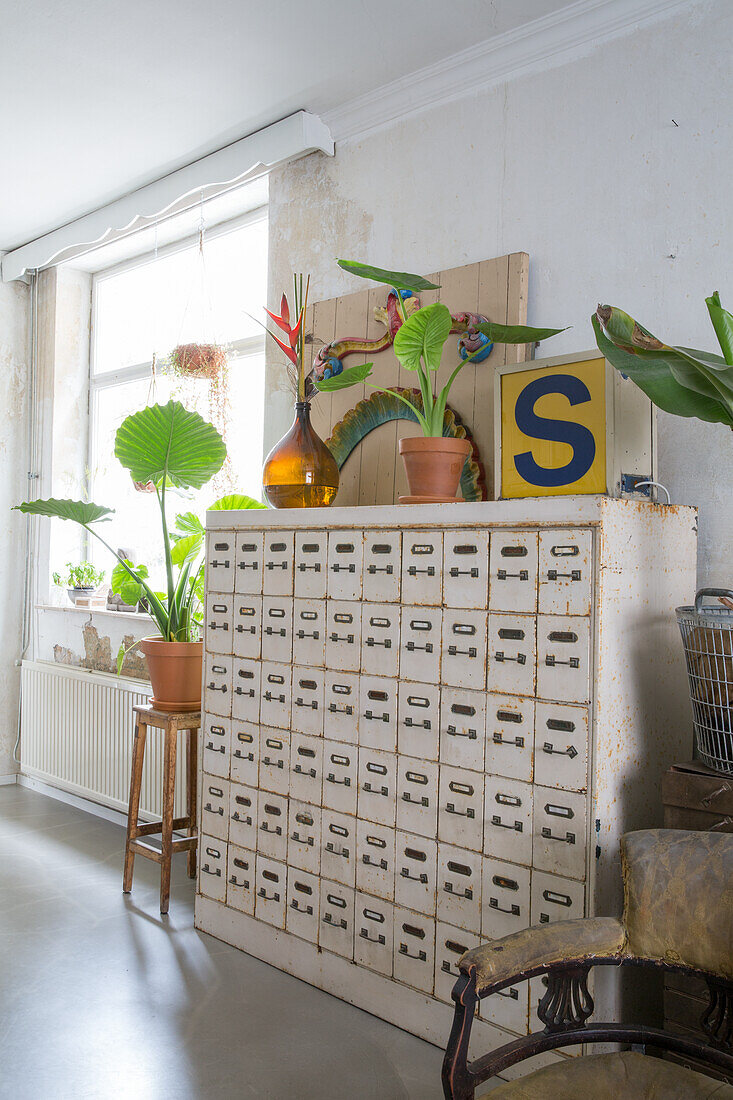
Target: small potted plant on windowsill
[(433, 463), (79, 580)]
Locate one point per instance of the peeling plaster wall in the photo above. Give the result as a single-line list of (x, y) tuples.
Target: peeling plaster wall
[(14, 357), (583, 167)]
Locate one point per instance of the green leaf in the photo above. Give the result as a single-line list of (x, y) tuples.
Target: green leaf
[(352, 376), (422, 336), (187, 523), (77, 510), (170, 441), (516, 334), (235, 502), (400, 280), (123, 585), (186, 549), (723, 325)]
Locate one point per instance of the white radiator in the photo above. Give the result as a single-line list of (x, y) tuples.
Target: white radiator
[(76, 734)]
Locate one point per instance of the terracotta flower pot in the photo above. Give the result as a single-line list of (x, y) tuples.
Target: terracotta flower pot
[(434, 466), (175, 673)]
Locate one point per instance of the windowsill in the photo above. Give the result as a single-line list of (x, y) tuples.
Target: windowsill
[(127, 616)]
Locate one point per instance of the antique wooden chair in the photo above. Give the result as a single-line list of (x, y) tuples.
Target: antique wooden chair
[(678, 916)]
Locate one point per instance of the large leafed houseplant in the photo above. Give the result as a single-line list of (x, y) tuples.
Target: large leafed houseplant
[(172, 448)]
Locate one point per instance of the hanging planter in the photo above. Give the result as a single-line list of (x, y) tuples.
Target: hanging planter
[(199, 360)]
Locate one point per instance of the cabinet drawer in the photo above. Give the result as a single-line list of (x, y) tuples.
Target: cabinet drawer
[(277, 629), (245, 753), (375, 859), (345, 564), (422, 568), (311, 560), (451, 944), (378, 713), (241, 879), (418, 719), (274, 759), (309, 632), (304, 836), (212, 867), (459, 887), (343, 635), (380, 639), (275, 695), (341, 714), (555, 898), (561, 746), (510, 723), (249, 556), (340, 776), (336, 925), (416, 872), (414, 949), (307, 696), (246, 689), (306, 767), (338, 847), (466, 569), (563, 658), (270, 881), (217, 746), (382, 557), (278, 563), (504, 899), (247, 619), (565, 572), (513, 571), (460, 809), (464, 649), (509, 1008), (417, 796), (373, 933), (243, 815), (220, 561), (377, 786), (560, 832), (218, 685), (301, 917), (214, 806), (218, 623), (508, 820), (272, 825), (511, 657), (420, 644), (463, 728)]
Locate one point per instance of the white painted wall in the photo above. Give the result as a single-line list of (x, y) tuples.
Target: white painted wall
[(581, 166), (14, 315)]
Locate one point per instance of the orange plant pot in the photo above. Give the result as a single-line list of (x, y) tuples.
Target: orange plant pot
[(175, 673), (434, 465)]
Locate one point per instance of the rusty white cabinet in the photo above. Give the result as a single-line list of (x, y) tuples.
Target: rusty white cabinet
[(428, 726)]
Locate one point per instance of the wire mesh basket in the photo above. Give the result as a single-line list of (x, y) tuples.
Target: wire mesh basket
[(707, 635)]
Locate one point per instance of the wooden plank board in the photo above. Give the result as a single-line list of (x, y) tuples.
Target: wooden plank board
[(376, 455), (350, 322), (324, 326)]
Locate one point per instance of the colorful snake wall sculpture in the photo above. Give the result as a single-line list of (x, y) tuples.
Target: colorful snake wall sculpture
[(329, 360)]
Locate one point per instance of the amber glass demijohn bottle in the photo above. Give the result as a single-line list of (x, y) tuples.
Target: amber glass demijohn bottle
[(300, 471)]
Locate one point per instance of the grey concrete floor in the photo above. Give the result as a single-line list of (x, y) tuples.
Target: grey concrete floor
[(102, 997)]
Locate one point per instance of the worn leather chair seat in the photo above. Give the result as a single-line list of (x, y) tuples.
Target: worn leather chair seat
[(625, 1076)]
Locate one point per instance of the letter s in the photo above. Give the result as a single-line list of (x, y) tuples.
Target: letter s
[(577, 436)]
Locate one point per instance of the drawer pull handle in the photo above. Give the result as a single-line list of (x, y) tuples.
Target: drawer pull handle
[(521, 658), (522, 575), (270, 763), (562, 636), (456, 572), (262, 893), (308, 840), (508, 799), (265, 828), (573, 575), (425, 725), (243, 885), (512, 994), (372, 717), (316, 567), (331, 778), (248, 693), (387, 643), (517, 827), (307, 909), (270, 632), (454, 651), (407, 797), (413, 571), (364, 935), (349, 638), (301, 634), (472, 735), (420, 956), (245, 629), (551, 661), (277, 565), (328, 919), (208, 871), (220, 564), (467, 893), (421, 878), (338, 567), (469, 812), (570, 751), (212, 687), (505, 883), (249, 565), (218, 626), (516, 742), (412, 647), (270, 698), (243, 820), (331, 847), (334, 709), (388, 569), (312, 705), (379, 864), (565, 551), (548, 834), (383, 791), (310, 772), (244, 755), (512, 910), (211, 747), (218, 810)]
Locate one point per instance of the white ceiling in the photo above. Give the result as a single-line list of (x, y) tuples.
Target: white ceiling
[(101, 96)]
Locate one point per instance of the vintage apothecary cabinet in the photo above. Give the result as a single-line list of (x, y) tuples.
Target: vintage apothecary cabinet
[(428, 726)]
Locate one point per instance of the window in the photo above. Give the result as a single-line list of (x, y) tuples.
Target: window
[(146, 307)]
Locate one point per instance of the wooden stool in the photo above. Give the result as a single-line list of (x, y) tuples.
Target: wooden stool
[(171, 724)]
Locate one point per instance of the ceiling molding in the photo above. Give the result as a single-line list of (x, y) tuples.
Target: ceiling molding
[(287, 140), (536, 45)]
